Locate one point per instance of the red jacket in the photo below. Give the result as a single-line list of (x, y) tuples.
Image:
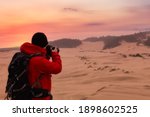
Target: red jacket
[(40, 65)]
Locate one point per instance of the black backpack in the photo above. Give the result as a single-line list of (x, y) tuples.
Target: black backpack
[(18, 87)]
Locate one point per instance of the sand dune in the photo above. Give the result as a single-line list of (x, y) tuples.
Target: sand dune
[(90, 73)]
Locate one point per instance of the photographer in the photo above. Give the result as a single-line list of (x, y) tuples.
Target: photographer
[(40, 67)]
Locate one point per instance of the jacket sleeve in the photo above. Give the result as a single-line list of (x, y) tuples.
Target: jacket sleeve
[(51, 67)]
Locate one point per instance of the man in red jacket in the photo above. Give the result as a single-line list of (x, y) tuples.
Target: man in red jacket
[(40, 67)]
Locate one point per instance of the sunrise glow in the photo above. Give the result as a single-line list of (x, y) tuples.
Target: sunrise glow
[(20, 19)]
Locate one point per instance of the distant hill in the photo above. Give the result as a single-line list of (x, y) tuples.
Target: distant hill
[(93, 39), (114, 41), (66, 43)]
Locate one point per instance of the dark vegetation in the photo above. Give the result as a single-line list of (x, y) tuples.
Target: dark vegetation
[(66, 43), (114, 41), (147, 42), (136, 55)]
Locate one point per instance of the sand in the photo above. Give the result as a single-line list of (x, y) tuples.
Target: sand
[(90, 73)]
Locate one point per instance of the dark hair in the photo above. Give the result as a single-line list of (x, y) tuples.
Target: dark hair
[(39, 39)]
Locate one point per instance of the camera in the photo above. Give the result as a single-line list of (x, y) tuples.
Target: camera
[(50, 49)]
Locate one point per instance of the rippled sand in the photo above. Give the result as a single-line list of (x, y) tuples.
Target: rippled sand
[(90, 73)]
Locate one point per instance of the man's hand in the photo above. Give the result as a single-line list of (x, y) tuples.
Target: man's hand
[(50, 49), (55, 49)]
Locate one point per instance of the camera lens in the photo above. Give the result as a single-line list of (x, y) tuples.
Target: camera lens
[(53, 48)]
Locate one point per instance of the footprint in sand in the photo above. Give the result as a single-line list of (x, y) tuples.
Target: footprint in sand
[(99, 90), (112, 70), (126, 71), (94, 63), (90, 66), (101, 68), (147, 86), (84, 98)]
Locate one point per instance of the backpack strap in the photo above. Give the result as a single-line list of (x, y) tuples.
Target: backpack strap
[(35, 54), (37, 81), (39, 92)]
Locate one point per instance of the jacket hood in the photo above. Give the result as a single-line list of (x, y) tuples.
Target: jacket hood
[(29, 48)]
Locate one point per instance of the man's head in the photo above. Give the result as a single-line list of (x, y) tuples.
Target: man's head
[(39, 39)]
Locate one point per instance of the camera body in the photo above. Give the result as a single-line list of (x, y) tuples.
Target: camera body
[(50, 49)]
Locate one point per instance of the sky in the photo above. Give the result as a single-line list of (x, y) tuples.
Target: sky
[(78, 19)]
